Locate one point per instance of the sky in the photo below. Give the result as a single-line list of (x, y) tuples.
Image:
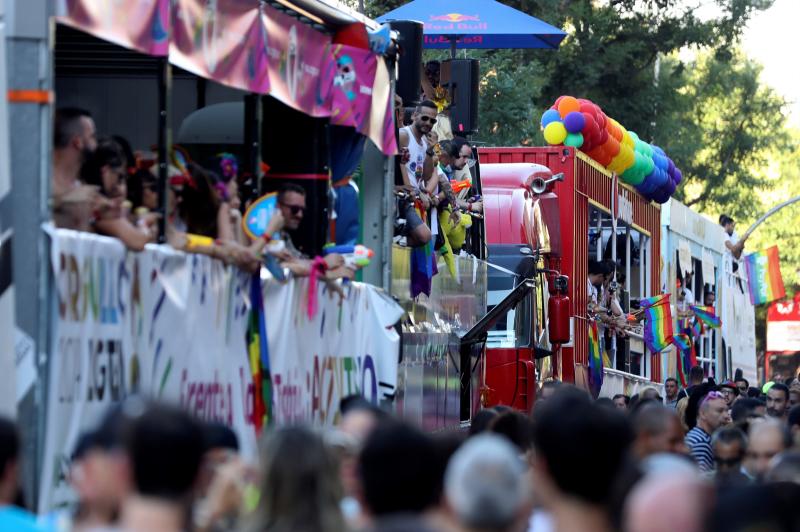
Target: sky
[(771, 39)]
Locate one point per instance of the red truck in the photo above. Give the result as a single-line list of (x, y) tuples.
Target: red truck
[(548, 211)]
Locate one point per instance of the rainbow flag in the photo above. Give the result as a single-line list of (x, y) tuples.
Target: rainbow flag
[(595, 360), (764, 276), (684, 345), (657, 322), (706, 315), (258, 356)]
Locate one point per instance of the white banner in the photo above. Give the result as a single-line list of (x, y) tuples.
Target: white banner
[(172, 326), (350, 346)]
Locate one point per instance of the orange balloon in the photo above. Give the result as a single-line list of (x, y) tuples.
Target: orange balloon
[(612, 147), (567, 105)]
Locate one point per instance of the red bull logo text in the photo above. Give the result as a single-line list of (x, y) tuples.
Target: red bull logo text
[(455, 17), (455, 21)]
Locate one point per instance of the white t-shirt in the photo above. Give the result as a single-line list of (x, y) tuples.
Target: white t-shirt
[(416, 161), (591, 291), (728, 256)]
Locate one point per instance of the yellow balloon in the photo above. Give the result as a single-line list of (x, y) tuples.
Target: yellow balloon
[(628, 157), (555, 133), (627, 140), (616, 163)]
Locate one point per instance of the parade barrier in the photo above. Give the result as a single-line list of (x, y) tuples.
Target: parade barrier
[(172, 326)]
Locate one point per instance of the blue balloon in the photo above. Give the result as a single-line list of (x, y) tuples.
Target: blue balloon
[(551, 115), (661, 161)]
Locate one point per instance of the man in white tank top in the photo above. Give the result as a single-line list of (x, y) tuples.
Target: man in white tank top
[(419, 140)]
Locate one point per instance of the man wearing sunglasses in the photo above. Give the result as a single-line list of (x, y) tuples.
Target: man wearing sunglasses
[(713, 413), (419, 140), (292, 204)]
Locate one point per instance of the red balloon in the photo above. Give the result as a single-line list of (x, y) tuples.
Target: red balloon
[(558, 100), (603, 136), (589, 124), (588, 107)]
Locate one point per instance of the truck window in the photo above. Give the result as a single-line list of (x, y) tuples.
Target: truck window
[(513, 329)]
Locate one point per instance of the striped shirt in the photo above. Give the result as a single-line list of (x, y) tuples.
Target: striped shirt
[(699, 443)]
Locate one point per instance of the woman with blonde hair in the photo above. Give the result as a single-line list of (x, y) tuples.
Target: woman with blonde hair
[(300, 486)]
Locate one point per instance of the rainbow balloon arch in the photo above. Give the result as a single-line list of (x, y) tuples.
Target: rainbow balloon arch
[(582, 124)]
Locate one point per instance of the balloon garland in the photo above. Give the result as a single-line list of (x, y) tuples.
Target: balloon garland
[(582, 124)]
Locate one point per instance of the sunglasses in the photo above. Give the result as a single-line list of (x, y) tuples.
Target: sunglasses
[(428, 119), (294, 209)]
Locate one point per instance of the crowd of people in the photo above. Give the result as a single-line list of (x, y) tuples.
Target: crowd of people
[(725, 461), (437, 200), (100, 185)]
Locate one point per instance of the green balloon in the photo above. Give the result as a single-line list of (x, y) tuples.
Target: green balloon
[(634, 136), (649, 165), (632, 176), (574, 139)]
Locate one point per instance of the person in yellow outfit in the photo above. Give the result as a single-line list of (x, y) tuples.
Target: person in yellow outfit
[(453, 155)]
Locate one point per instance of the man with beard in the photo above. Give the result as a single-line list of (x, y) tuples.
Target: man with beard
[(419, 141), (778, 401), (74, 141), (712, 414)]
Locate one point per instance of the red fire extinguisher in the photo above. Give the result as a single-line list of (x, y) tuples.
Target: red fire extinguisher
[(558, 311)]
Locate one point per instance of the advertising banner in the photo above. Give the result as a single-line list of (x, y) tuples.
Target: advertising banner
[(141, 25), (222, 40), (301, 68), (173, 327)]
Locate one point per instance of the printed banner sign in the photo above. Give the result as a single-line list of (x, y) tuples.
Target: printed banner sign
[(301, 68), (764, 276), (349, 347), (222, 40), (171, 326), (141, 25), (783, 326)]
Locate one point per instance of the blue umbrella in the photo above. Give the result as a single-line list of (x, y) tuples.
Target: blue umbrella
[(476, 24)]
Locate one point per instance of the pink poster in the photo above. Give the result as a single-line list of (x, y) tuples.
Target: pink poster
[(221, 40), (141, 25), (299, 63), (360, 94)]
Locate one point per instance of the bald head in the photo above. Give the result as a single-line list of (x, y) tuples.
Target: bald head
[(663, 503), (658, 430), (766, 440)]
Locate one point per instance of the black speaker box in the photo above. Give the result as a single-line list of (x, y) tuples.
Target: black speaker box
[(461, 77), (408, 85)]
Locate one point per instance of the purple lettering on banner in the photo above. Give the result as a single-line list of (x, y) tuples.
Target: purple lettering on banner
[(369, 366)]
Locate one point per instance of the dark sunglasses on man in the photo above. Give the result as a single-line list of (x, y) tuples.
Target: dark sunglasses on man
[(428, 119), (294, 209)]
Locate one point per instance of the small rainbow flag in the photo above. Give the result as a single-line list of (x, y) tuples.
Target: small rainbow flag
[(595, 359), (657, 322), (706, 315), (764, 276), (684, 345)]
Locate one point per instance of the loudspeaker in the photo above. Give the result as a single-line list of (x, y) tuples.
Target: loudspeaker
[(410, 64), (461, 77), (303, 161)]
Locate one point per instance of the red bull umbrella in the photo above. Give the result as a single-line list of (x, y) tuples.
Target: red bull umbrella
[(476, 24)]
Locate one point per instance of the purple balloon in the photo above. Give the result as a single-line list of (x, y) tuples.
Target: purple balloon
[(677, 176), (670, 167), (574, 122)]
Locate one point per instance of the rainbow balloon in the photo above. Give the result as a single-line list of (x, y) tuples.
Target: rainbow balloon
[(581, 124)]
